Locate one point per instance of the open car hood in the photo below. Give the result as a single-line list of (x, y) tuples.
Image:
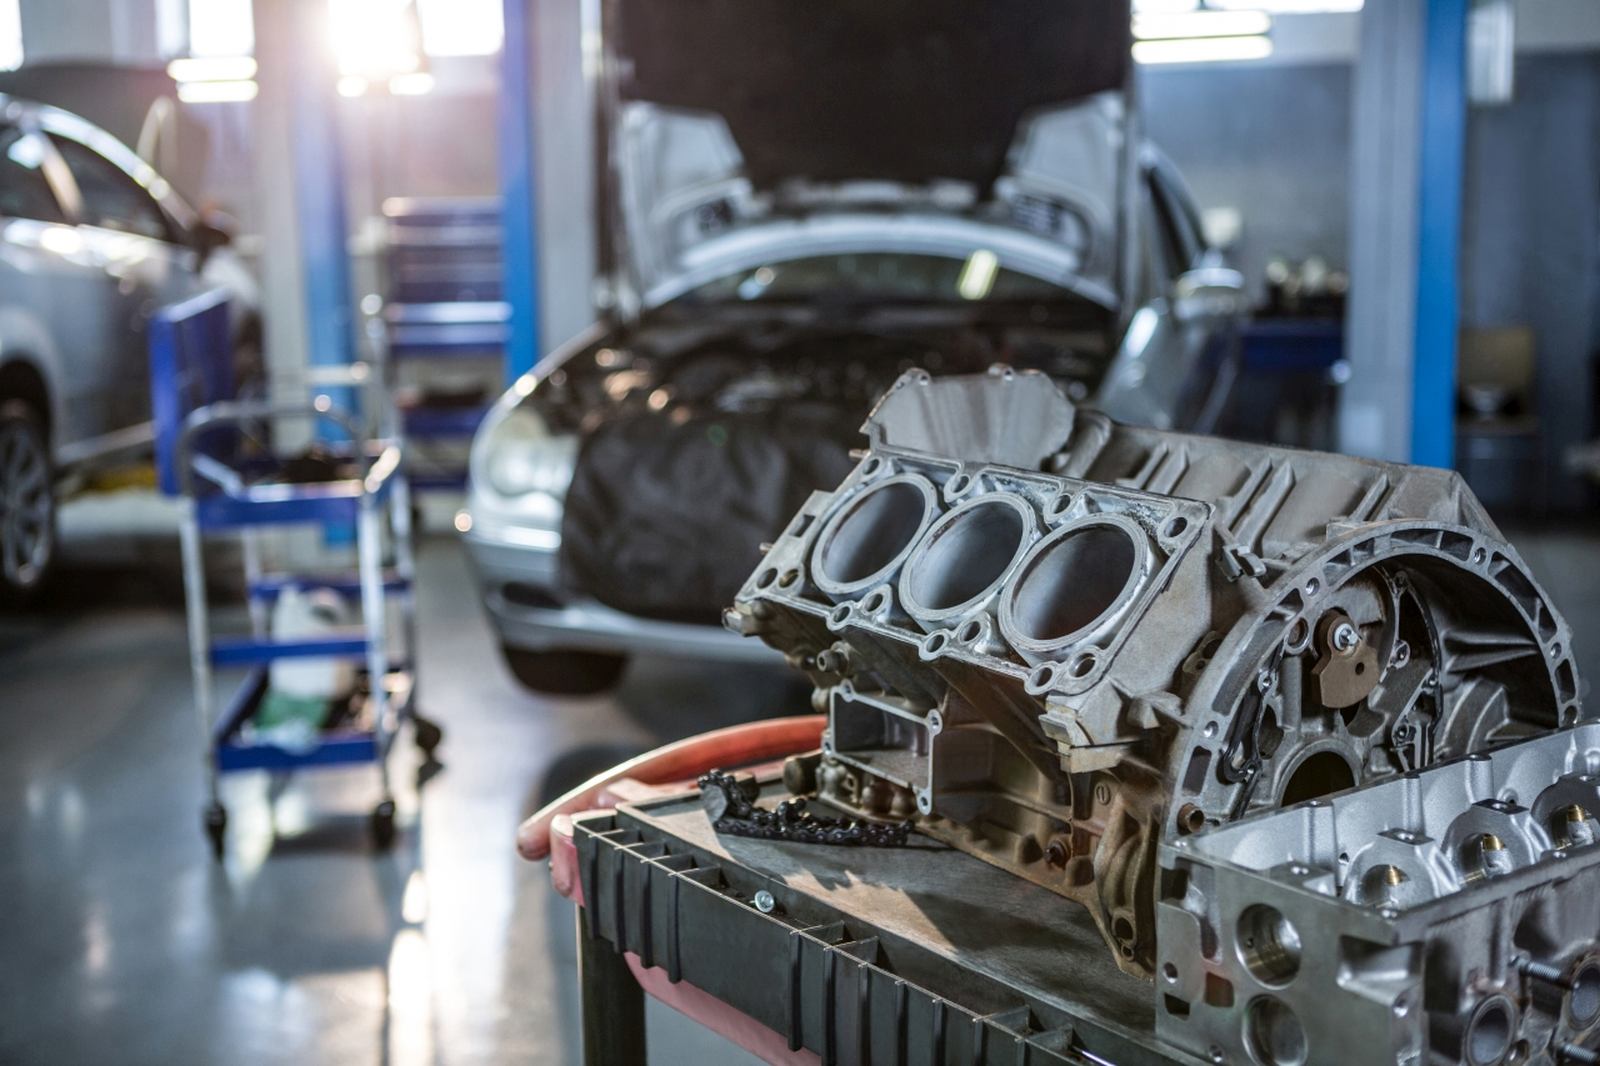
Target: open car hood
[(744, 132)]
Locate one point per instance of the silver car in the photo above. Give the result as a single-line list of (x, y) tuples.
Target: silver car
[(790, 222), (92, 241)]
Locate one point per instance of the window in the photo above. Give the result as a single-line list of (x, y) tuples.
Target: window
[(220, 28), (24, 190), (461, 27), (1271, 7), (1180, 227), (10, 34), (112, 199)]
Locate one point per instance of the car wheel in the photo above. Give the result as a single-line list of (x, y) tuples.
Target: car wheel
[(27, 504), (565, 672)]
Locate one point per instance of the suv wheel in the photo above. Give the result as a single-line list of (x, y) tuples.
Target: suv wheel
[(27, 503), (565, 672)]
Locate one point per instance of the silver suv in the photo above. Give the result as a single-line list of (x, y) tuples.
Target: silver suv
[(796, 210), (92, 242)]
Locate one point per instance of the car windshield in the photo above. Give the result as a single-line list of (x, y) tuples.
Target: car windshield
[(879, 276)]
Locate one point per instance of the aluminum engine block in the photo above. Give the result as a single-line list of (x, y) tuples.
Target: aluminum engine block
[(1057, 642)]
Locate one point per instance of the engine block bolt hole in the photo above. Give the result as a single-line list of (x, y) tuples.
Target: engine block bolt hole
[(1191, 819), (1072, 581), (1269, 945), (957, 485), (970, 631), (1583, 1002), (1175, 527)]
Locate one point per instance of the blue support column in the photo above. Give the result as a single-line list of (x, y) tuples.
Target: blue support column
[(1444, 134), (518, 190), (1408, 141)]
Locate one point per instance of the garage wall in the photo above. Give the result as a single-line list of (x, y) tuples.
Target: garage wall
[(1531, 246)]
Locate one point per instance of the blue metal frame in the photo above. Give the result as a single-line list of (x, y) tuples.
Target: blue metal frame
[(191, 366), (519, 190), (1444, 122)]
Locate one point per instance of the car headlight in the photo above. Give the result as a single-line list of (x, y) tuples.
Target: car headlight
[(520, 456)]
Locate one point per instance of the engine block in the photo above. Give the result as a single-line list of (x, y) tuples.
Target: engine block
[(1057, 643)]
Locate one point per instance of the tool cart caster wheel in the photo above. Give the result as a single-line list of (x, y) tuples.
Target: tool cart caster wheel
[(427, 734), (383, 825), (216, 824)]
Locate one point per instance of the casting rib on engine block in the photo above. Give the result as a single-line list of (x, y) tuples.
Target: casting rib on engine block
[(1055, 642)]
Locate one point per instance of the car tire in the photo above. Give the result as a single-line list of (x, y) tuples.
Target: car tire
[(27, 504), (565, 672)]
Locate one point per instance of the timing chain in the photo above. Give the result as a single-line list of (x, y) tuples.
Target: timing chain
[(731, 810)]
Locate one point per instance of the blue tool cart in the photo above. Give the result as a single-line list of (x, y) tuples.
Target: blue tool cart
[(218, 454)]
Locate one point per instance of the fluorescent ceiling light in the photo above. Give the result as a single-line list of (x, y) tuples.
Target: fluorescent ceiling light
[(212, 68), (216, 92), (1180, 24), (351, 85), (1202, 50)]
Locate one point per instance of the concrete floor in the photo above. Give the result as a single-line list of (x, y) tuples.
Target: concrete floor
[(123, 941)]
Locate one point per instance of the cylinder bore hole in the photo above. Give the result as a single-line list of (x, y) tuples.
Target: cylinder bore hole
[(966, 553), (1489, 1034), (871, 532), (1269, 945), (1321, 774), (1273, 1035), (1072, 581)]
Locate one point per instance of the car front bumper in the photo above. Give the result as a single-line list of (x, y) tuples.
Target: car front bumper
[(519, 575)]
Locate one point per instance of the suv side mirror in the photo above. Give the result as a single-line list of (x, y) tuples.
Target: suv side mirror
[(1208, 292), (213, 231)]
